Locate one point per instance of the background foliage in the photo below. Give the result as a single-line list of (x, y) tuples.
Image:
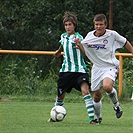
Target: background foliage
[(37, 25)]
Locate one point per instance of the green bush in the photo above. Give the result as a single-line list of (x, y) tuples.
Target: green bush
[(25, 78), (127, 78)]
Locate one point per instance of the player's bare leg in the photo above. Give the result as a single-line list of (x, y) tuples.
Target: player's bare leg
[(112, 93)]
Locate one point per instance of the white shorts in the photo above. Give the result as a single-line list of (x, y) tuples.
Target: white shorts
[(98, 74)]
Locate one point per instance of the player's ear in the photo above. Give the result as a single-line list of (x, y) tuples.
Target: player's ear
[(106, 25)]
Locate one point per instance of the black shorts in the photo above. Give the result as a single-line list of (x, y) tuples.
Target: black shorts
[(69, 80)]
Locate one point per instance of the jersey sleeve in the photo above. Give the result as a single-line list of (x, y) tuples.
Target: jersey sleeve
[(87, 38), (79, 36), (61, 40), (119, 40)]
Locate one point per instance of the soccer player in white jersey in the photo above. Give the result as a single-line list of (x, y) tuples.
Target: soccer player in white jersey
[(73, 73), (99, 46)]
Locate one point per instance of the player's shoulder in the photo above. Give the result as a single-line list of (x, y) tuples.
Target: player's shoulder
[(90, 34), (108, 31), (78, 34), (63, 34)]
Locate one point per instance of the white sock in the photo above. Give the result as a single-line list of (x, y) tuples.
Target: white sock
[(97, 108), (113, 96)]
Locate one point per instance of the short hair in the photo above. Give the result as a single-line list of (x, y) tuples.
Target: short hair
[(70, 17), (100, 17)]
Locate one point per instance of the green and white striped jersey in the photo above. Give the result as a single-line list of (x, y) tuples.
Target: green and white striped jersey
[(73, 58)]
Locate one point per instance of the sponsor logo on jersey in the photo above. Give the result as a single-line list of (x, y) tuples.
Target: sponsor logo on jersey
[(96, 46)]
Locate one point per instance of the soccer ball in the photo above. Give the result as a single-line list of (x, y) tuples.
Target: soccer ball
[(58, 113)]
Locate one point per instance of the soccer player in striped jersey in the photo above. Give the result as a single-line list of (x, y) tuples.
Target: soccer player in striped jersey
[(73, 73), (99, 46)]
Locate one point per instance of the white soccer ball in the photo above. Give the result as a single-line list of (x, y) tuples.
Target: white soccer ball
[(58, 113)]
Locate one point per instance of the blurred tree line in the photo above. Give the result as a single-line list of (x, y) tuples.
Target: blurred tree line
[(37, 24)]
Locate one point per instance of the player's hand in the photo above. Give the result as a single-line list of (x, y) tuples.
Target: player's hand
[(76, 47), (57, 53), (76, 41)]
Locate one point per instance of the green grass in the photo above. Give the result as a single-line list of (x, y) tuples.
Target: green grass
[(31, 117)]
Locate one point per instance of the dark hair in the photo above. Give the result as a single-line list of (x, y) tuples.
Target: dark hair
[(70, 17), (100, 17)]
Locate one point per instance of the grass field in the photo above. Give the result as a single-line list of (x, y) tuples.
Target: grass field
[(31, 117)]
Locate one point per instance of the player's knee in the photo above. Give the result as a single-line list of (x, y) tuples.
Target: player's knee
[(107, 88), (85, 92), (84, 89)]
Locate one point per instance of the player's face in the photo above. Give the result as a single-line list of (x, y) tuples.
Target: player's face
[(100, 27), (69, 27)]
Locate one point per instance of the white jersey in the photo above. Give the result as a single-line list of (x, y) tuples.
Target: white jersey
[(73, 59), (101, 50)]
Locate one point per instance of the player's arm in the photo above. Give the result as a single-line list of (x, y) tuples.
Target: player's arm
[(129, 46), (79, 45), (58, 51)]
